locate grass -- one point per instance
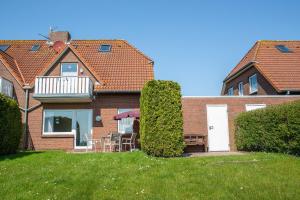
(60, 175)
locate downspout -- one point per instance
(26, 110)
(25, 143)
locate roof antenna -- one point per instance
(52, 29)
(44, 36)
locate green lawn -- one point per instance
(59, 175)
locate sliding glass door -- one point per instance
(83, 128)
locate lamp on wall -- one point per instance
(98, 118)
(81, 70)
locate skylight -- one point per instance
(35, 47)
(105, 48)
(4, 47)
(283, 49)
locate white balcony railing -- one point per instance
(63, 86)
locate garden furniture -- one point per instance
(129, 141)
(112, 141)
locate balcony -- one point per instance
(63, 89)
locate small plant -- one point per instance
(274, 129)
(10, 125)
(161, 123)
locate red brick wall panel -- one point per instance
(195, 116)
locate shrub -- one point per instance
(10, 125)
(161, 123)
(273, 129)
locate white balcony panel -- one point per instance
(59, 89)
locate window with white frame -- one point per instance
(69, 69)
(253, 84)
(250, 107)
(241, 89)
(6, 87)
(58, 122)
(125, 125)
(230, 91)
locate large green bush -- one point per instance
(10, 125)
(161, 123)
(273, 129)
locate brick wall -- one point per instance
(105, 105)
(264, 87)
(18, 90)
(195, 115)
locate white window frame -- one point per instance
(230, 91)
(61, 72)
(259, 106)
(241, 88)
(119, 121)
(11, 87)
(251, 89)
(72, 132)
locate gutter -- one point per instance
(244, 68)
(118, 91)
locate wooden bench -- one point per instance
(195, 139)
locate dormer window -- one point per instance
(69, 69)
(105, 48)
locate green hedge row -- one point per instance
(273, 129)
(10, 125)
(161, 123)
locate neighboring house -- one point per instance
(69, 89)
(269, 68)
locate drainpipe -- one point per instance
(25, 143)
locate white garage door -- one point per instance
(218, 133)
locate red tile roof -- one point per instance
(125, 68)
(282, 70)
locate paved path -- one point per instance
(200, 154)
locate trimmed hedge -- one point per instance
(273, 129)
(10, 125)
(161, 123)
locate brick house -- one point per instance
(268, 74)
(69, 88)
(269, 68)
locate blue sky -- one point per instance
(195, 43)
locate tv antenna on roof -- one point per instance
(44, 36)
(52, 29)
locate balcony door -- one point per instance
(83, 128)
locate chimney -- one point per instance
(63, 36)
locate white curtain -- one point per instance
(6, 87)
(126, 124)
(49, 116)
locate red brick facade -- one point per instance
(195, 115)
(264, 87)
(105, 105)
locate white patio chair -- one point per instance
(129, 141)
(111, 141)
(90, 140)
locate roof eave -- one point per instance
(117, 91)
(244, 68)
